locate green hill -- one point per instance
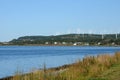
(69, 39)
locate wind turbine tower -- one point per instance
(83, 35)
(102, 36)
(116, 36)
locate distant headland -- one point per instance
(68, 40)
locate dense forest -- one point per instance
(69, 39)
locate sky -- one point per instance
(53, 17)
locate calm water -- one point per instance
(26, 58)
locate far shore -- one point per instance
(62, 45)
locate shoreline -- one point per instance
(66, 45)
(105, 59)
(42, 69)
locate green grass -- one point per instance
(113, 73)
(101, 67)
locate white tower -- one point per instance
(83, 35)
(102, 36)
(116, 36)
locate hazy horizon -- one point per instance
(51, 17)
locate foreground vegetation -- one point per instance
(101, 67)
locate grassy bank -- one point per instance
(101, 67)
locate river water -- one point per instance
(27, 58)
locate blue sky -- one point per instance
(50, 17)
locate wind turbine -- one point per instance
(83, 35)
(90, 32)
(102, 36)
(116, 36)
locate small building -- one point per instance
(113, 43)
(75, 44)
(63, 43)
(55, 43)
(99, 43)
(46, 43)
(86, 44)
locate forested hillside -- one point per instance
(69, 39)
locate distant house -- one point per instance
(86, 44)
(113, 43)
(63, 43)
(75, 44)
(55, 43)
(99, 43)
(46, 43)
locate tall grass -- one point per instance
(87, 69)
